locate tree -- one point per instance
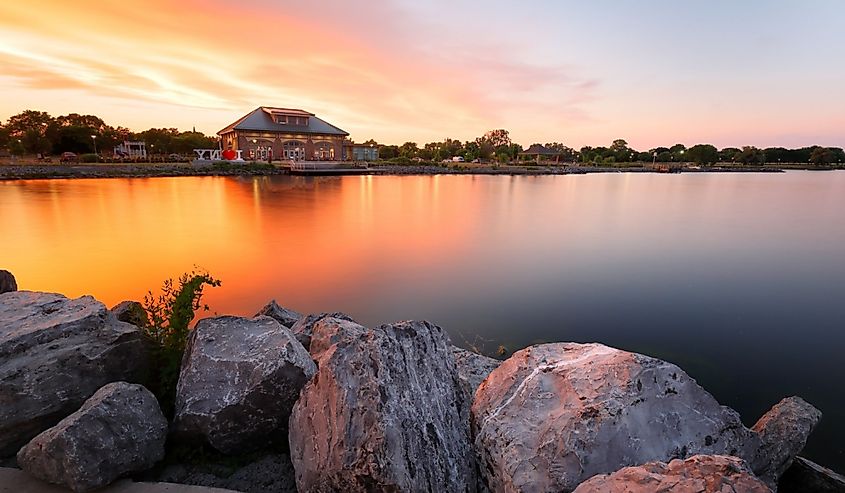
(566, 153)
(388, 152)
(408, 150)
(29, 130)
(729, 154)
(703, 154)
(498, 138)
(751, 155)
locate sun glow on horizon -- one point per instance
(394, 71)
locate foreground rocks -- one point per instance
(698, 474)
(131, 312)
(281, 314)
(473, 368)
(783, 432)
(805, 476)
(304, 327)
(54, 354)
(7, 282)
(120, 429)
(554, 415)
(239, 380)
(383, 413)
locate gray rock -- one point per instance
(330, 332)
(805, 476)
(272, 473)
(783, 432)
(239, 380)
(283, 315)
(120, 429)
(698, 474)
(131, 312)
(473, 368)
(554, 415)
(54, 354)
(385, 412)
(7, 282)
(304, 327)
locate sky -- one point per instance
(654, 72)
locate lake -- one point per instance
(738, 278)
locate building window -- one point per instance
(324, 151)
(294, 149)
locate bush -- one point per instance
(89, 158)
(169, 314)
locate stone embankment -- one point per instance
(321, 403)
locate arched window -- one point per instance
(324, 151)
(294, 149)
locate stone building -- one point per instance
(283, 133)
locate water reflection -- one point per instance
(737, 278)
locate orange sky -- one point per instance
(392, 70)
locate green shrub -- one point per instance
(169, 314)
(89, 158)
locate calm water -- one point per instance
(738, 278)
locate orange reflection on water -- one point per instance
(287, 238)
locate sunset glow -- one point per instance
(395, 71)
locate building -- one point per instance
(538, 152)
(131, 149)
(281, 133)
(359, 152)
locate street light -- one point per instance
(94, 139)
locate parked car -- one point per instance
(69, 157)
(175, 158)
(458, 159)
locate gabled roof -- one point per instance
(261, 119)
(539, 150)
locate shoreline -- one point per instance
(14, 172)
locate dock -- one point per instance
(312, 168)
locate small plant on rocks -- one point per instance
(170, 314)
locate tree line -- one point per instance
(496, 145)
(33, 132)
(36, 132)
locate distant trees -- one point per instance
(703, 154)
(751, 155)
(32, 132)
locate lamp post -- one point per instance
(152, 150)
(94, 140)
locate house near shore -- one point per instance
(269, 133)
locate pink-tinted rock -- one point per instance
(554, 415)
(698, 474)
(784, 431)
(385, 412)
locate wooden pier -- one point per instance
(311, 168)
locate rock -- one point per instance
(330, 331)
(272, 473)
(239, 380)
(554, 415)
(805, 476)
(698, 474)
(783, 432)
(281, 314)
(473, 368)
(384, 412)
(120, 429)
(304, 327)
(131, 312)
(7, 282)
(54, 354)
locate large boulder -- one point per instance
(239, 380)
(698, 474)
(783, 432)
(473, 368)
(282, 315)
(385, 412)
(54, 354)
(7, 282)
(120, 429)
(304, 327)
(805, 476)
(554, 415)
(131, 312)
